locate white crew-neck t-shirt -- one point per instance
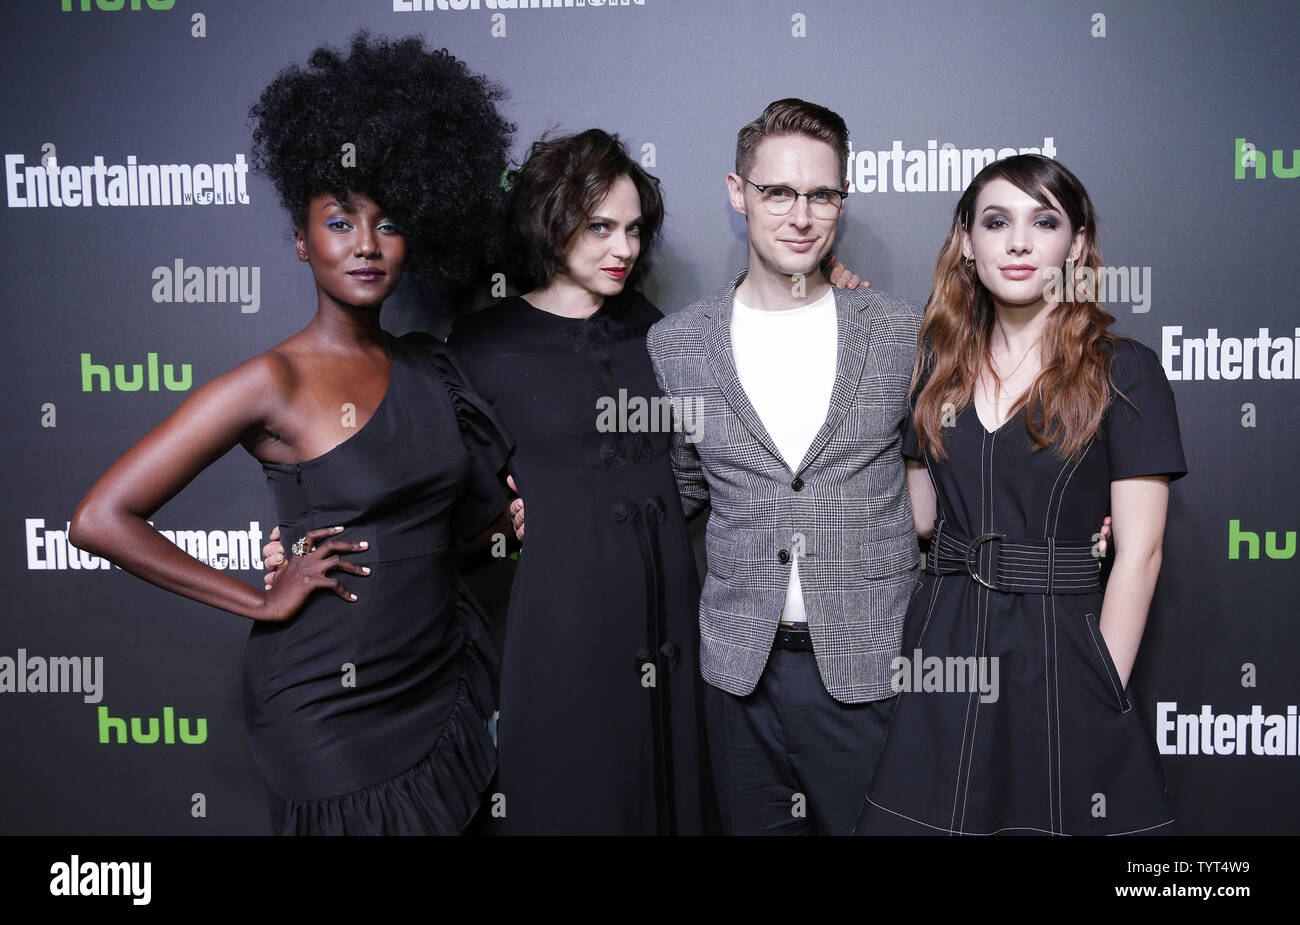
(786, 363)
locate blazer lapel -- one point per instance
(722, 360)
(852, 343)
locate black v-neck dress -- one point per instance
(1057, 746)
(370, 717)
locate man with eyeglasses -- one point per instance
(801, 393)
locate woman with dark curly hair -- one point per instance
(366, 710)
(601, 729)
(1030, 422)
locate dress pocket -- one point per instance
(1107, 663)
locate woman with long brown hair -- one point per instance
(1030, 422)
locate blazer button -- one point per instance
(797, 484)
(783, 557)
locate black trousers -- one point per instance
(790, 759)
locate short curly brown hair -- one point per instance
(555, 191)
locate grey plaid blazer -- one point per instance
(845, 511)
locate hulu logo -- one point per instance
(1250, 157)
(143, 376)
(113, 6)
(167, 732)
(1238, 536)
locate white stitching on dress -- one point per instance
(982, 638)
(1119, 695)
(1060, 504)
(1008, 828)
(961, 756)
(1047, 706)
(1056, 683)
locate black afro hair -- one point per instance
(431, 146)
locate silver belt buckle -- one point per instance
(973, 546)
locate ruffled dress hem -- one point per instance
(441, 793)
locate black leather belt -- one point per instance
(1014, 566)
(793, 639)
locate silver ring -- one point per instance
(299, 546)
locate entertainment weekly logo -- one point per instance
(225, 550)
(1223, 734)
(936, 168)
(50, 184)
(456, 6)
(1262, 356)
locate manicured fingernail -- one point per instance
(365, 569)
(337, 529)
(364, 544)
(352, 596)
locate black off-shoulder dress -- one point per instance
(371, 717)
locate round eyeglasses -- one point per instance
(779, 200)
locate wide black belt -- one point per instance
(1014, 566)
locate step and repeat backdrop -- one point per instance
(120, 703)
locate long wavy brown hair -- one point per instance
(1067, 401)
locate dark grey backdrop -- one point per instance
(1147, 115)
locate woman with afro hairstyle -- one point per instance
(366, 706)
(1030, 421)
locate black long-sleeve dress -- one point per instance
(601, 728)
